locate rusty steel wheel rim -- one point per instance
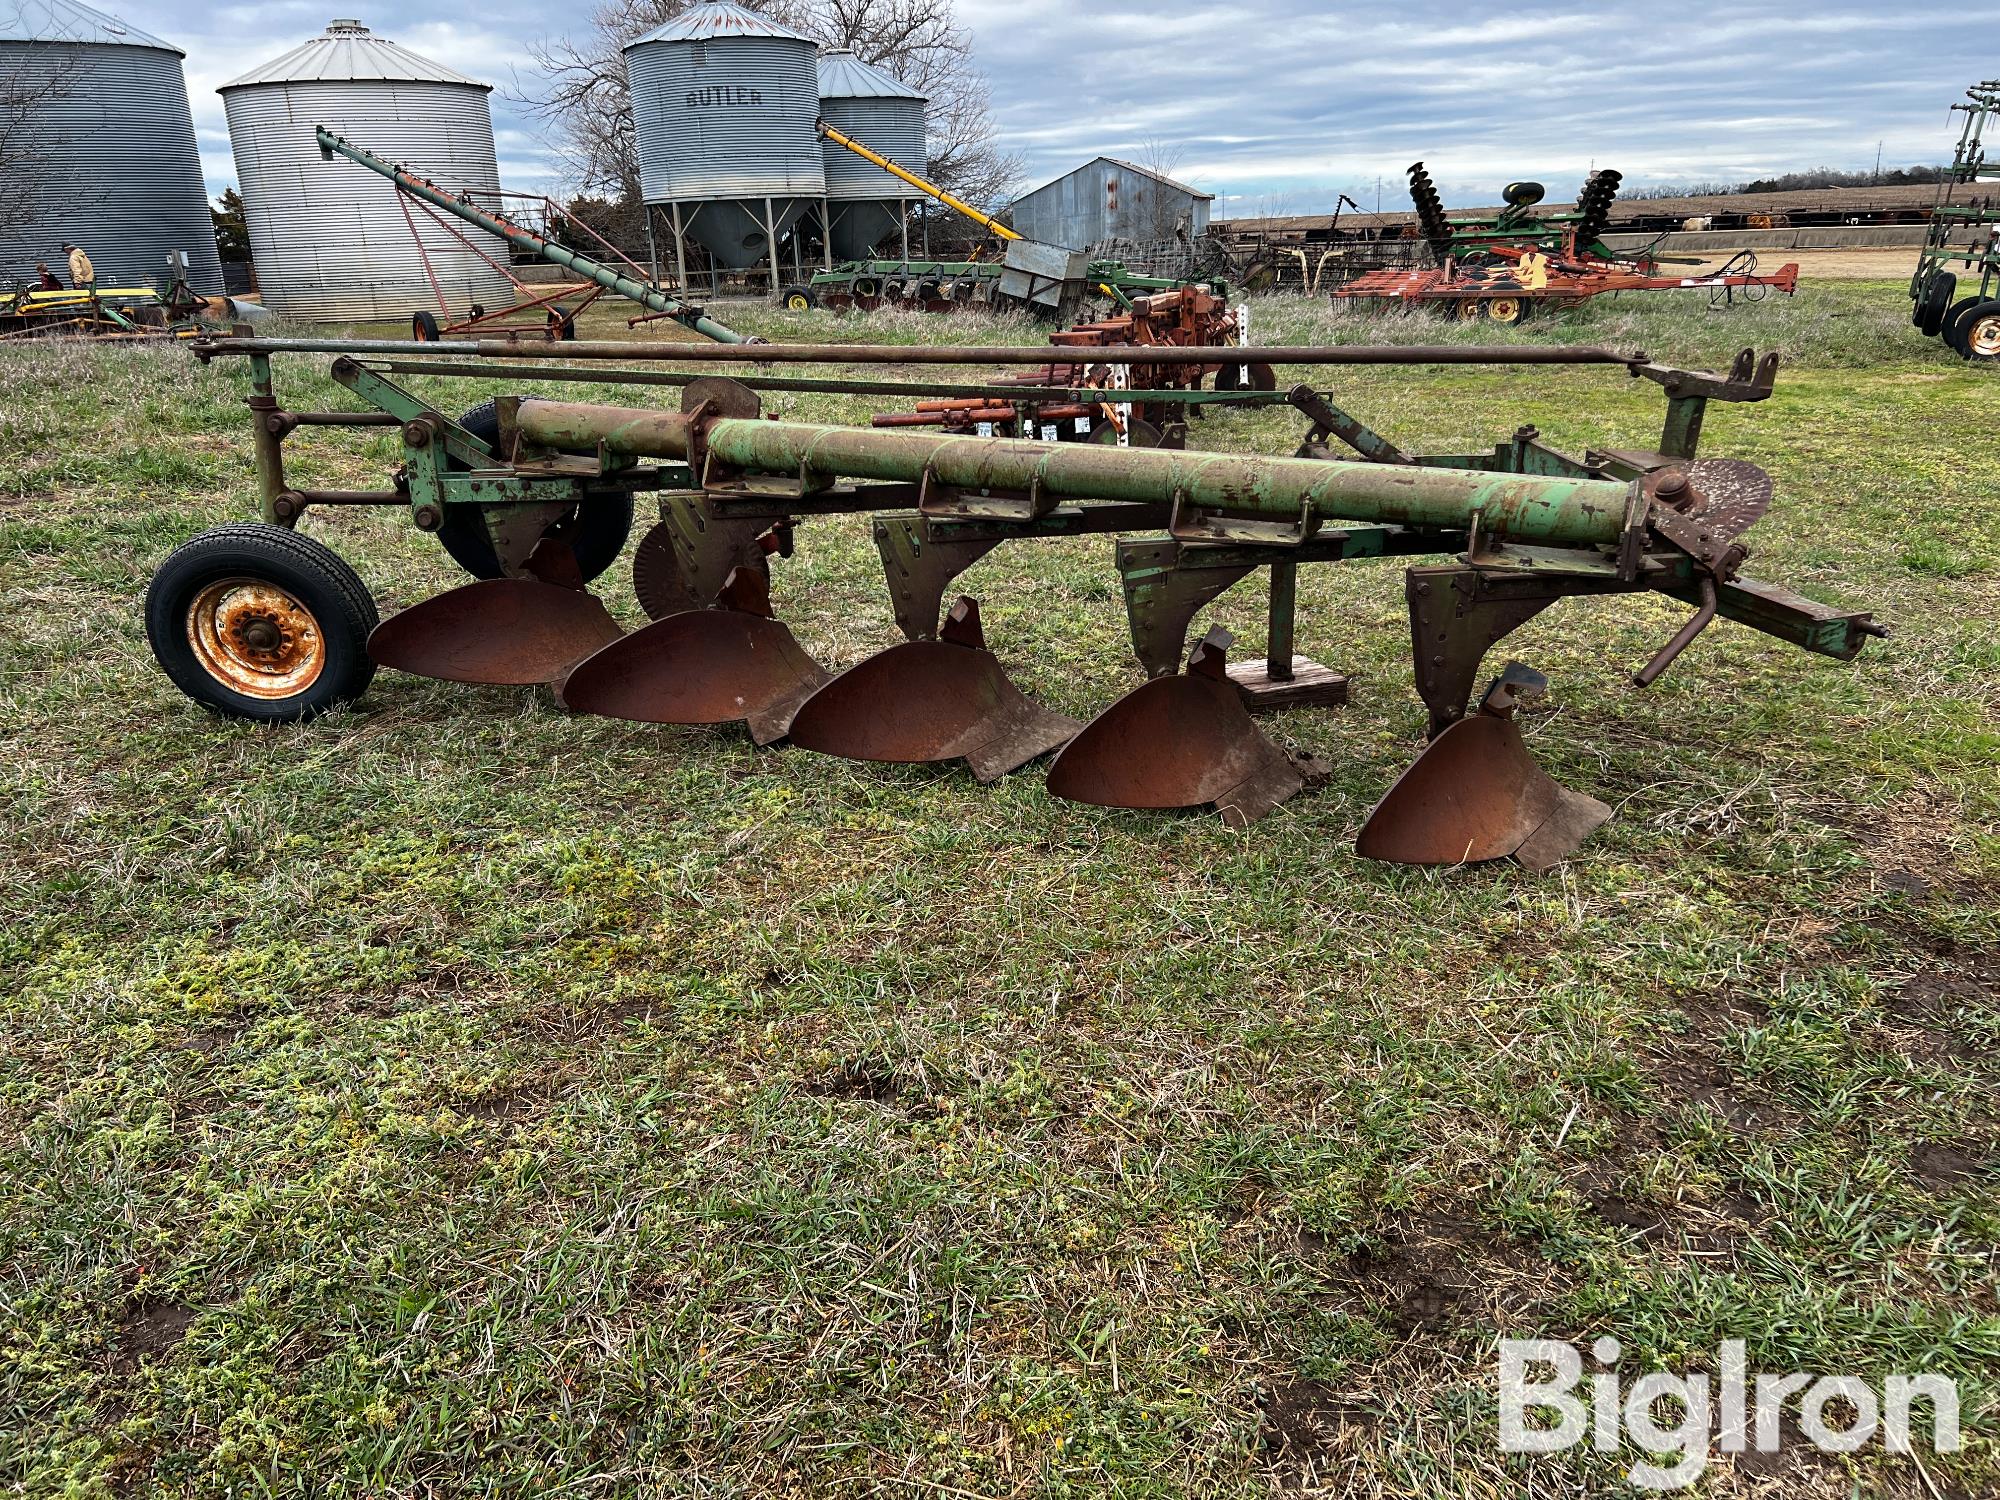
(255, 638)
(1982, 339)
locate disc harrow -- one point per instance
(1521, 525)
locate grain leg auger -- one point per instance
(262, 622)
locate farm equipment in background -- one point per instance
(1502, 266)
(534, 497)
(546, 315)
(1964, 232)
(1047, 279)
(127, 312)
(1185, 318)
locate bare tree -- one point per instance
(919, 42)
(29, 148)
(1160, 213)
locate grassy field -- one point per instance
(452, 1096)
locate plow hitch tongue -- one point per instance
(1179, 741)
(946, 699)
(498, 631)
(704, 666)
(1476, 794)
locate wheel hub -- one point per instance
(255, 638)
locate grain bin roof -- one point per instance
(713, 19)
(348, 51)
(842, 75)
(67, 21)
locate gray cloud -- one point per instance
(1279, 105)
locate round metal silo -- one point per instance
(330, 239)
(723, 104)
(865, 204)
(103, 154)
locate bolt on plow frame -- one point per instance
(535, 498)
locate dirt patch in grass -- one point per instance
(1304, 1426)
(149, 1332)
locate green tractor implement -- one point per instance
(262, 622)
(1962, 307)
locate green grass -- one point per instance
(454, 1096)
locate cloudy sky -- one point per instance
(1279, 105)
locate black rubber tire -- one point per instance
(424, 328)
(309, 571)
(598, 540)
(1936, 301)
(797, 298)
(1982, 316)
(1952, 314)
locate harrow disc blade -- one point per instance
(1477, 794)
(928, 701)
(1178, 741)
(705, 666)
(500, 631)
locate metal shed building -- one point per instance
(1110, 199)
(104, 152)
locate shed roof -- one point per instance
(347, 51)
(68, 21)
(716, 18)
(1129, 166)
(842, 75)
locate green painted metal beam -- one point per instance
(1528, 508)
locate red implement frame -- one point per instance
(556, 317)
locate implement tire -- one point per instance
(258, 622)
(1976, 334)
(797, 299)
(597, 542)
(1936, 300)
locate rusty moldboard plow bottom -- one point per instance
(553, 484)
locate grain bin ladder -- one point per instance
(262, 622)
(648, 294)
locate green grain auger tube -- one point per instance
(280, 628)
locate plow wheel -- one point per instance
(261, 623)
(797, 299)
(704, 666)
(925, 701)
(597, 531)
(1466, 310)
(1179, 741)
(1476, 794)
(1976, 334)
(1506, 311)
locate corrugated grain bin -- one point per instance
(723, 104)
(886, 116)
(330, 238)
(104, 153)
